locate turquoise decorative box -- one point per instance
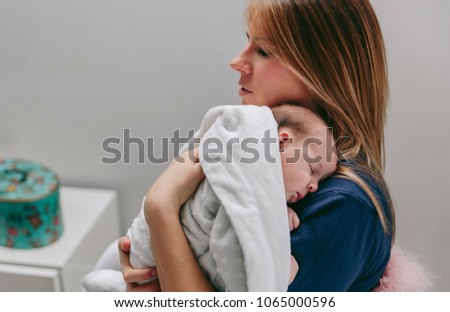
(30, 214)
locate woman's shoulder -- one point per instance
(339, 191)
(340, 232)
(342, 186)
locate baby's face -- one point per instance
(304, 165)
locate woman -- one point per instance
(326, 55)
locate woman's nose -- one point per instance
(241, 64)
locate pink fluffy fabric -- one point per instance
(404, 273)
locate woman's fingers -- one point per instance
(124, 251)
(149, 287)
(124, 244)
(130, 274)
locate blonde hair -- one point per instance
(336, 49)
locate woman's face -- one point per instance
(264, 81)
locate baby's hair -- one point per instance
(299, 119)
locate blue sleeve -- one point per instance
(339, 246)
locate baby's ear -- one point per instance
(283, 138)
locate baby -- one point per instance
(305, 161)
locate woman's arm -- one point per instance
(178, 269)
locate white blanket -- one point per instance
(236, 221)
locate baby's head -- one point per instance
(306, 156)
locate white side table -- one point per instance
(91, 223)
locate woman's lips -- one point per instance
(243, 91)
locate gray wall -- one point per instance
(73, 73)
(418, 149)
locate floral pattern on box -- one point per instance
(30, 214)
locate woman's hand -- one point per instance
(133, 276)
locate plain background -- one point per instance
(73, 73)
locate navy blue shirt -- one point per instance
(340, 244)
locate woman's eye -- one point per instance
(261, 52)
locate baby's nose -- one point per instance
(312, 187)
